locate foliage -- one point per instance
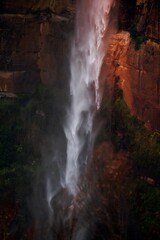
(128, 133)
(15, 167)
(137, 37)
(24, 121)
(145, 205)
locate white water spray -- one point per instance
(86, 61)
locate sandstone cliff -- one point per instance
(134, 56)
(34, 43)
(139, 73)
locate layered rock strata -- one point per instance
(34, 43)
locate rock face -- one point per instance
(24, 6)
(141, 16)
(137, 67)
(127, 11)
(34, 43)
(139, 74)
(147, 18)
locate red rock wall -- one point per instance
(139, 72)
(34, 45)
(148, 18)
(19, 6)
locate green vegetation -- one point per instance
(129, 134)
(140, 37)
(145, 208)
(16, 166)
(28, 119)
(137, 37)
(24, 121)
(27, 122)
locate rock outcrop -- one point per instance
(139, 74)
(18, 6)
(134, 56)
(140, 17)
(34, 43)
(147, 18)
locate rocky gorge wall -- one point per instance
(134, 57)
(18, 6)
(34, 43)
(139, 76)
(147, 18)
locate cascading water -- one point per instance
(66, 166)
(86, 61)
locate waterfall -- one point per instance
(66, 158)
(87, 54)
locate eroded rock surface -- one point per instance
(34, 43)
(139, 74)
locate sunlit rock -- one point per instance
(139, 75)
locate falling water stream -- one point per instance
(71, 161)
(86, 61)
